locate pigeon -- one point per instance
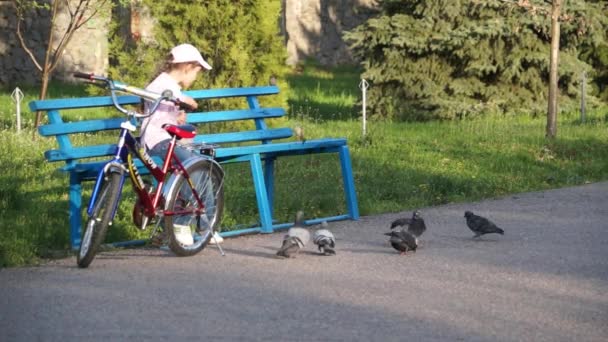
(325, 240)
(481, 225)
(403, 241)
(296, 238)
(415, 225)
(299, 133)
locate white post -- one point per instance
(17, 96)
(363, 86)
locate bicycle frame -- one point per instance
(127, 147)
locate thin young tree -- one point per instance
(551, 130)
(79, 13)
(552, 106)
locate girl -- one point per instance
(180, 71)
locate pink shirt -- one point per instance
(152, 131)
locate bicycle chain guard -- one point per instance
(139, 209)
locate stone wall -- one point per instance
(312, 28)
(87, 51)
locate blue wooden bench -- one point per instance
(259, 147)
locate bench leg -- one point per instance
(349, 183)
(260, 192)
(75, 208)
(269, 180)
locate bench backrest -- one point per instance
(252, 111)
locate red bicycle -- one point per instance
(188, 198)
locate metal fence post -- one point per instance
(363, 86)
(17, 96)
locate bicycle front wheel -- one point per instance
(189, 225)
(97, 224)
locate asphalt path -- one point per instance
(546, 279)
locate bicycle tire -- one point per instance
(207, 178)
(97, 224)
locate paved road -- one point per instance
(545, 280)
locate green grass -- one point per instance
(397, 166)
(318, 93)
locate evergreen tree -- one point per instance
(429, 59)
(595, 52)
(239, 38)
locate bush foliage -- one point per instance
(429, 59)
(239, 38)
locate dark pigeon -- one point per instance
(415, 225)
(325, 240)
(296, 238)
(403, 241)
(481, 225)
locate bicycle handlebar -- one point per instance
(114, 86)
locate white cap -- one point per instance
(187, 53)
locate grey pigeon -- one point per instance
(296, 238)
(403, 241)
(299, 133)
(325, 240)
(415, 225)
(481, 225)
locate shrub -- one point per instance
(239, 38)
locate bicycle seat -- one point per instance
(180, 131)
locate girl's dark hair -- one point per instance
(165, 65)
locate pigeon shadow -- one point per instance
(251, 253)
(369, 250)
(271, 255)
(456, 241)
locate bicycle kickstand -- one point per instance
(217, 243)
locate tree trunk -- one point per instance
(46, 67)
(43, 89)
(551, 131)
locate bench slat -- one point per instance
(85, 102)
(80, 126)
(80, 152)
(232, 115)
(285, 147)
(105, 101)
(234, 137)
(232, 92)
(89, 170)
(110, 149)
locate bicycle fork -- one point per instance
(111, 167)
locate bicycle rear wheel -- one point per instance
(188, 232)
(101, 217)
